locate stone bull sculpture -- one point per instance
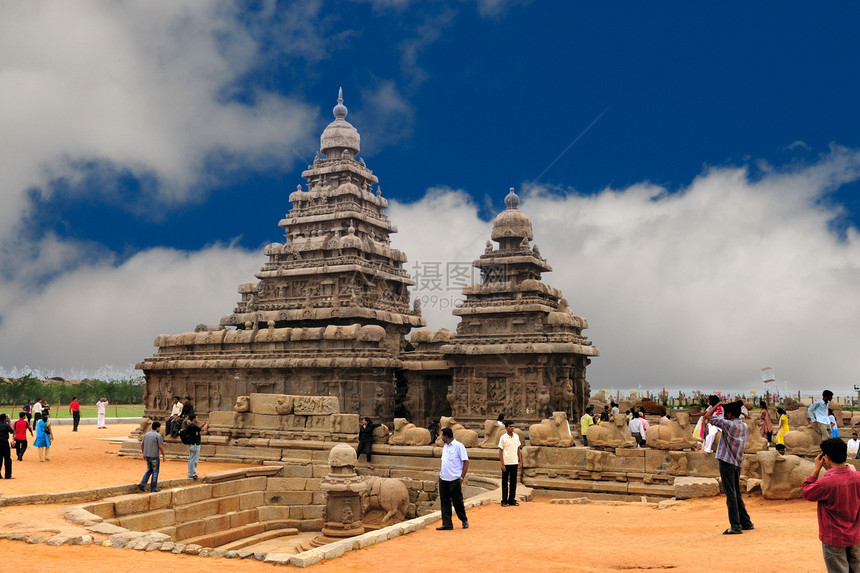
(554, 431)
(408, 434)
(387, 494)
(783, 476)
(493, 432)
(670, 434)
(468, 438)
(612, 434)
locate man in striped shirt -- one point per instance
(730, 456)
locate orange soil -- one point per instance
(535, 536)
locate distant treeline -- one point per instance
(28, 387)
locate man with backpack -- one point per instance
(190, 435)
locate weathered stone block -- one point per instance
(313, 511)
(269, 403)
(193, 494)
(228, 504)
(316, 405)
(215, 523)
(299, 470)
(657, 461)
(693, 487)
(269, 513)
(318, 424)
(288, 498)
(293, 422)
(129, 504)
(344, 423)
(248, 452)
(265, 421)
(221, 419)
(105, 510)
(236, 487)
(287, 484)
(541, 456)
(160, 500)
(149, 520)
(190, 530)
(240, 518)
(251, 500)
(195, 511)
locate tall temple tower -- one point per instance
(329, 310)
(336, 265)
(518, 348)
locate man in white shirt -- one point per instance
(853, 446)
(455, 464)
(171, 427)
(511, 458)
(37, 411)
(636, 429)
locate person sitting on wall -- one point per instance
(172, 422)
(365, 439)
(185, 415)
(433, 428)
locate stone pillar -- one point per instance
(342, 488)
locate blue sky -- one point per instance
(150, 148)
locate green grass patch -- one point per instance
(87, 411)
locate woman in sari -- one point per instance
(766, 426)
(44, 437)
(783, 426)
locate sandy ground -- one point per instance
(535, 536)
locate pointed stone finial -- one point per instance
(512, 201)
(340, 110)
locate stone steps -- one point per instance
(259, 538)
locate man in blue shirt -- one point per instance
(819, 415)
(455, 464)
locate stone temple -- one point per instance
(330, 315)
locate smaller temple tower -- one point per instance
(518, 348)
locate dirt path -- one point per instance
(536, 536)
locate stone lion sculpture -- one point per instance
(613, 434)
(387, 494)
(408, 434)
(145, 426)
(284, 405)
(241, 410)
(243, 404)
(493, 432)
(554, 431)
(783, 476)
(671, 434)
(468, 438)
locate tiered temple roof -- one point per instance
(336, 265)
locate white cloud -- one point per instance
(93, 88)
(385, 118)
(101, 313)
(697, 289)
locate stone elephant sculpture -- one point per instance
(554, 431)
(612, 434)
(408, 434)
(468, 438)
(387, 494)
(493, 432)
(783, 476)
(671, 434)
